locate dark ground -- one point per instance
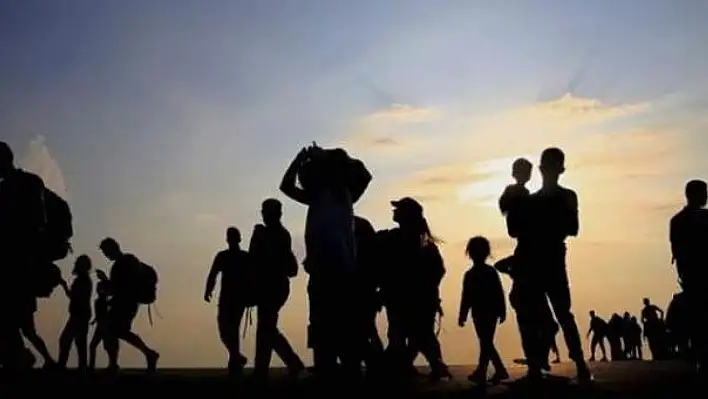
(612, 380)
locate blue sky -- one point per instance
(166, 121)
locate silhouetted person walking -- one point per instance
(483, 296)
(537, 326)
(688, 236)
(330, 184)
(634, 339)
(23, 225)
(76, 329)
(615, 329)
(100, 321)
(654, 330)
(275, 264)
(555, 217)
(598, 330)
(412, 287)
(232, 265)
(124, 280)
(368, 260)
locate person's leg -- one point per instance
(80, 340)
(482, 328)
(266, 329)
(522, 298)
(93, 347)
(558, 291)
(29, 330)
(425, 340)
(125, 327)
(65, 340)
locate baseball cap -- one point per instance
(408, 204)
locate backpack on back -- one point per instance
(45, 278)
(145, 284)
(60, 227)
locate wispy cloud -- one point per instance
(38, 159)
(402, 113)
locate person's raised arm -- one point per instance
(289, 185)
(211, 278)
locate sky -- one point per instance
(165, 122)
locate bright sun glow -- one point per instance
(486, 192)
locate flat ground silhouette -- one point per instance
(617, 379)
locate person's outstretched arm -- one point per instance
(211, 278)
(289, 185)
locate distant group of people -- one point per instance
(354, 272)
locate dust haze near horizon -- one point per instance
(166, 122)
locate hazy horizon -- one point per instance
(165, 122)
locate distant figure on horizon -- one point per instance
(688, 236)
(598, 330)
(635, 339)
(483, 297)
(76, 329)
(330, 183)
(126, 280)
(615, 329)
(100, 320)
(654, 329)
(232, 266)
(554, 218)
(271, 254)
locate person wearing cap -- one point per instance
(22, 223)
(410, 284)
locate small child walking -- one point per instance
(76, 329)
(100, 321)
(483, 298)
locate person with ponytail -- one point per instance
(411, 288)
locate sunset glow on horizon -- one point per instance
(164, 123)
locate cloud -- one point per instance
(403, 113)
(40, 161)
(391, 130)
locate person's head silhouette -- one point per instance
(646, 301)
(407, 211)
(521, 170)
(552, 164)
(82, 266)
(7, 159)
(696, 193)
(478, 250)
(110, 248)
(271, 211)
(233, 237)
(592, 314)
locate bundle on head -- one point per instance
(333, 169)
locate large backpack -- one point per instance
(45, 278)
(145, 284)
(60, 227)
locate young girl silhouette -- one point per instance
(76, 329)
(483, 297)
